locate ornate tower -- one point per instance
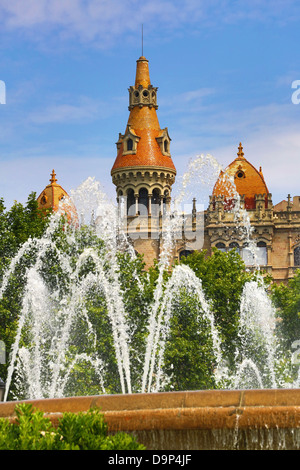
(143, 171)
(51, 197)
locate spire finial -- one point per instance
(142, 40)
(53, 177)
(142, 73)
(240, 152)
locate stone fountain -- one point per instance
(267, 416)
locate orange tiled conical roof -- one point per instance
(52, 194)
(51, 197)
(248, 181)
(143, 122)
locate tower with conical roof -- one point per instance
(143, 171)
(53, 195)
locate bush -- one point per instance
(82, 431)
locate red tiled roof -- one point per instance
(250, 183)
(144, 122)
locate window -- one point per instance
(297, 256)
(129, 145)
(44, 199)
(165, 198)
(166, 147)
(221, 246)
(143, 201)
(234, 246)
(185, 253)
(130, 202)
(247, 255)
(155, 202)
(256, 255)
(261, 254)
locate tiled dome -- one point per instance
(248, 181)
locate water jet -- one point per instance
(57, 342)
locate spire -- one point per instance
(142, 76)
(144, 143)
(142, 95)
(143, 169)
(53, 179)
(240, 153)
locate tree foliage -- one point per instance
(223, 277)
(17, 225)
(75, 431)
(286, 298)
(188, 357)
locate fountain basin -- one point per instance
(266, 419)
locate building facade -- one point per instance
(143, 174)
(275, 229)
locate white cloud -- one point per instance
(85, 109)
(102, 21)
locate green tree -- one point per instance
(223, 277)
(17, 225)
(286, 298)
(189, 359)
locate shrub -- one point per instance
(82, 431)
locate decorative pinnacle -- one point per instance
(53, 179)
(240, 152)
(142, 76)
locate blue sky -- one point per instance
(224, 71)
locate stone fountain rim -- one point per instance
(203, 409)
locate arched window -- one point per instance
(247, 255)
(129, 145)
(130, 202)
(261, 254)
(297, 256)
(234, 246)
(166, 195)
(143, 201)
(166, 146)
(44, 199)
(221, 246)
(121, 204)
(155, 202)
(185, 253)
